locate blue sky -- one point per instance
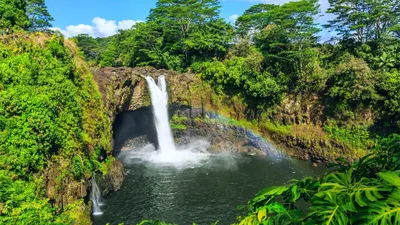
(101, 18)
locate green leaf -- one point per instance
(390, 177)
(249, 220)
(296, 193)
(262, 214)
(328, 209)
(382, 213)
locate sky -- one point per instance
(103, 18)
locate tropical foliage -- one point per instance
(50, 114)
(366, 192)
(274, 51)
(24, 14)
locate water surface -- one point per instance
(203, 194)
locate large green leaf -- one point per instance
(390, 177)
(362, 192)
(262, 214)
(304, 188)
(328, 209)
(267, 195)
(383, 213)
(249, 220)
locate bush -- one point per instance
(50, 113)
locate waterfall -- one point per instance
(95, 197)
(182, 156)
(159, 101)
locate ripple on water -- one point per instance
(201, 193)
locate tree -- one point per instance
(389, 87)
(13, 14)
(298, 21)
(178, 19)
(244, 77)
(255, 18)
(285, 34)
(182, 15)
(110, 54)
(293, 22)
(351, 86)
(363, 20)
(88, 45)
(38, 15)
(148, 43)
(209, 40)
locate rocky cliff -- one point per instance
(123, 89)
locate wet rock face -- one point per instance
(67, 192)
(113, 180)
(222, 138)
(124, 89)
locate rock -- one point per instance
(223, 138)
(113, 180)
(124, 89)
(69, 190)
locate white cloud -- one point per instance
(100, 27)
(103, 27)
(233, 18)
(126, 24)
(79, 29)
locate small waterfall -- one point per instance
(159, 101)
(95, 197)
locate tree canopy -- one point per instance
(38, 15)
(13, 14)
(271, 63)
(364, 20)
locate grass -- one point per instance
(178, 126)
(356, 136)
(276, 128)
(178, 122)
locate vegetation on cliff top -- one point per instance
(346, 86)
(50, 114)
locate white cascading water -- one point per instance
(95, 197)
(159, 101)
(190, 154)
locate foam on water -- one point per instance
(190, 155)
(167, 153)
